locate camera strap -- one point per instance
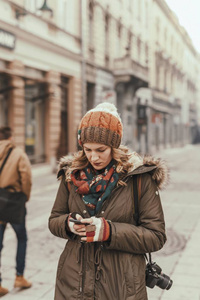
(148, 258)
(137, 196)
(136, 186)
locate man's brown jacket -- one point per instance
(17, 170)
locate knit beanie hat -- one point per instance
(102, 125)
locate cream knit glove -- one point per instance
(98, 231)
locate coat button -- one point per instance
(156, 192)
(103, 212)
(84, 211)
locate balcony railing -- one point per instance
(127, 66)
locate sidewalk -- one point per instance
(180, 257)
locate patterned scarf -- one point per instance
(95, 186)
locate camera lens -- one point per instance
(169, 284)
(164, 282)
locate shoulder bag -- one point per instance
(12, 204)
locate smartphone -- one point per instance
(78, 222)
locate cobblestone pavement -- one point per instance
(179, 258)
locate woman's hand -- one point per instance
(77, 228)
(97, 231)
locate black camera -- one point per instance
(154, 276)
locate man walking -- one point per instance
(17, 174)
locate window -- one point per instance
(165, 38)
(107, 32)
(90, 95)
(157, 75)
(130, 5)
(35, 120)
(139, 48)
(4, 96)
(118, 38)
(107, 37)
(146, 54)
(157, 29)
(139, 9)
(146, 14)
(91, 23)
(67, 15)
(63, 143)
(33, 5)
(172, 44)
(129, 43)
(30, 5)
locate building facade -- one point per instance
(138, 56)
(59, 58)
(116, 50)
(40, 76)
(173, 80)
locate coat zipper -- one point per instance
(83, 271)
(83, 252)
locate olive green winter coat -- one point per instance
(114, 270)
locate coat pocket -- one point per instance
(129, 275)
(138, 268)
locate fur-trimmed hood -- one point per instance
(161, 173)
(64, 163)
(156, 167)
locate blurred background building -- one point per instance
(59, 58)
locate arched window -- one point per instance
(118, 38)
(139, 48)
(91, 23)
(107, 37)
(4, 96)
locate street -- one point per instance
(179, 258)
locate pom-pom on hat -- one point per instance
(102, 125)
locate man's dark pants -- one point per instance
(20, 230)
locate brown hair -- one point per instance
(5, 133)
(121, 155)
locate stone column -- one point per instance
(16, 103)
(74, 112)
(52, 116)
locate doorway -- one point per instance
(63, 143)
(90, 95)
(35, 121)
(4, 97)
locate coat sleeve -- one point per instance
(24, 168)
(60, 212)
(149, 236)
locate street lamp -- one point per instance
(46, 8)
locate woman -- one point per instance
(104, 259)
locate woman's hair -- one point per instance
(121, 155)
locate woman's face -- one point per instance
(99, 155)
